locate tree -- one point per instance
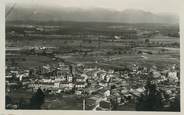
(8, 100)
(85, 94)
(37, 99)
(151, 100)
(147, 40)
(175, 106)
(21, 103)
(113, 101)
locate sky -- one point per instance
(156, 6)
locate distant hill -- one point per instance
(88, 15)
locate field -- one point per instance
(94, 49)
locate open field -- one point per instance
(94, 49)
(32, 61)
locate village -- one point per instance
(98, 88)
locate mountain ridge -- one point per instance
(89, 15)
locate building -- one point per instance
(66, 85)
(43, 85)
(80, 85)
(172, 76)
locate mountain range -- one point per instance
(21, 13)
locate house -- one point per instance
(124, 91)
(57, 84)
(8, 75)
(26, 82)
(134, 68)
(163, 78)
(84, 76)
(78, 92)
(80, 68)
(156, 74)
(69, 78)
(103, 83)
(14, 73)
(64, 75)
(45, 69)
(101, 75)
(107, 93)
(80, 85)
(64, 68)
(172, 76)
(61, 74)
(23, 76)
(46, 80)
(43, 85)
(81, 78)
(65, 84)
(12, 84)
(108, 77)
(59, 79)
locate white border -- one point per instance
(67, 112)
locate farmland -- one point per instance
(93, 48)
